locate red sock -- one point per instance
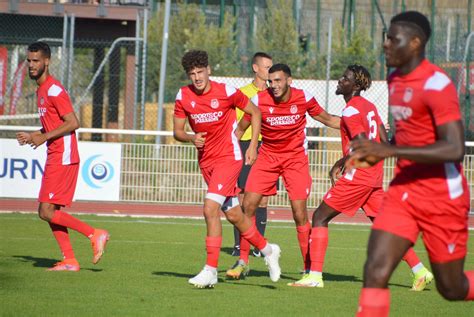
(470, 278)
(245, 244)
(411, 258)
(303, 239)
(68, 221)
(317, 249)
(254, 237)
(374, 302)
(213, 248)
(62, 237)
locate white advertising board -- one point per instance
(21, 169)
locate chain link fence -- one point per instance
(105, 78)
(118, 88)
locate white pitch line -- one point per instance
(224, 223)
(187, 243)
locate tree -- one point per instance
(358, 50)
(189, 30)
(278, 36)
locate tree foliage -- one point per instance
(278, 36)
(356, 50)
(276, 33)
(189, 30)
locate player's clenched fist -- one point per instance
(199, 139)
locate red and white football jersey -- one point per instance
(284, 124)
(361, 116)
(419, 102)
(53, 103)
(213, 113)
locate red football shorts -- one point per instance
(221, 178)
(268, 167)
(347, 197)
(58, 184)
(444, 223)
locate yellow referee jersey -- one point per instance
(249, 90)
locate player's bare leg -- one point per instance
(212, 217)
(46, 211)
(300, 212)
(452, 282)
(385, 250)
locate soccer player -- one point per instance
(62, 163)
(261, 63)
(210, 109)
(283, 151)
(429, 193)
(359, 188)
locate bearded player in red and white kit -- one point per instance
(283, 151)
(429, 193)
(359, 188)
(62, 163)
(210, 109)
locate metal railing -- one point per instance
(169, 173)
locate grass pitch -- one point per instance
(148, 262)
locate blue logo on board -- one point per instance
(97, 172)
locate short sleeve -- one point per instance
(59, 98)
(237, 98)
(178, 105)
(440, 95)
(352, 119)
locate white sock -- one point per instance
(242, 262)
(210, 268)
(317, 273)
(417, 268)
(267, 250)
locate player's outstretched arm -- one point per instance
(329, 120)
(70, 123)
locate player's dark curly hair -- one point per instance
(194, 59)
(361, 75)
(40, 47)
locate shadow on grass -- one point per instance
(44, 262)
(229, 251)
(220, 279)
(329, 277)
(174, 274)
(241, 282)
